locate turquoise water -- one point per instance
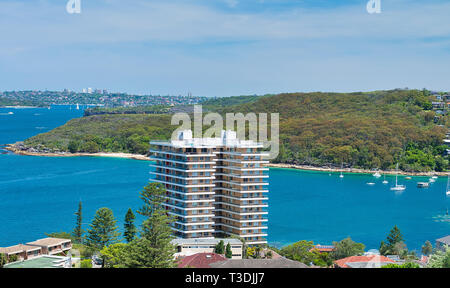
(41, 194)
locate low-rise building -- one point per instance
(187, 247)
(53, 246)
(22, 252)
(200, 260)
(43, 261)
(258, 263)
(442, 243)
(324, 248)
(369, 261)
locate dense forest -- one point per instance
(361, 130)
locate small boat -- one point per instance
(448, 186)
(10, 113)
(377, 174)
(435, 177)
(432, 180)
(397, 187)
(408, 178)
(370, 183)
(423, 184)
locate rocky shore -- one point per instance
(21, 149)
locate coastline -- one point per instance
(352, 170)
(15, 150)
(12, 148)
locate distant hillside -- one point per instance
(361, 130)
(11, 102)
(155, 109)
(366, 130)
(105, 133)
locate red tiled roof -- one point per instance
(200, 260)
(369, 258)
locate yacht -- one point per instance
(423, 184)
(397, 187)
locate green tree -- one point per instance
(114, 255)
(427, 248)
(440, 259)
(408, 265)
(154, 249)
(103, 231)
(220, 247)
(346, 248)
(129, 227)
(62, 235)
(3, 260)
(389, 247)
(299, 251)
(228, 252)
(87, 263)
(78, 231)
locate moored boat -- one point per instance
(423, 184)
(397, 187)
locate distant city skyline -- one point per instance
(224, 47)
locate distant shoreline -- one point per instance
(20, 107)
(12, 148)
(352, 170)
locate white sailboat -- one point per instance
(385, 181)
(78, 107)
(448, 186)
(397, 187)
(342, 175)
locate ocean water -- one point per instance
(40, 195)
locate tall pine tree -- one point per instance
(103, 230)
(393, 241)
(153, 249)
(78, 231)
(129, 227)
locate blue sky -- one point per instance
(224, 47)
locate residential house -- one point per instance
(187, 247)
(23, 252)
(324, 248)
(369, 261)
(200, 260)
(441, 243)
(53, 246)
(258, 263)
